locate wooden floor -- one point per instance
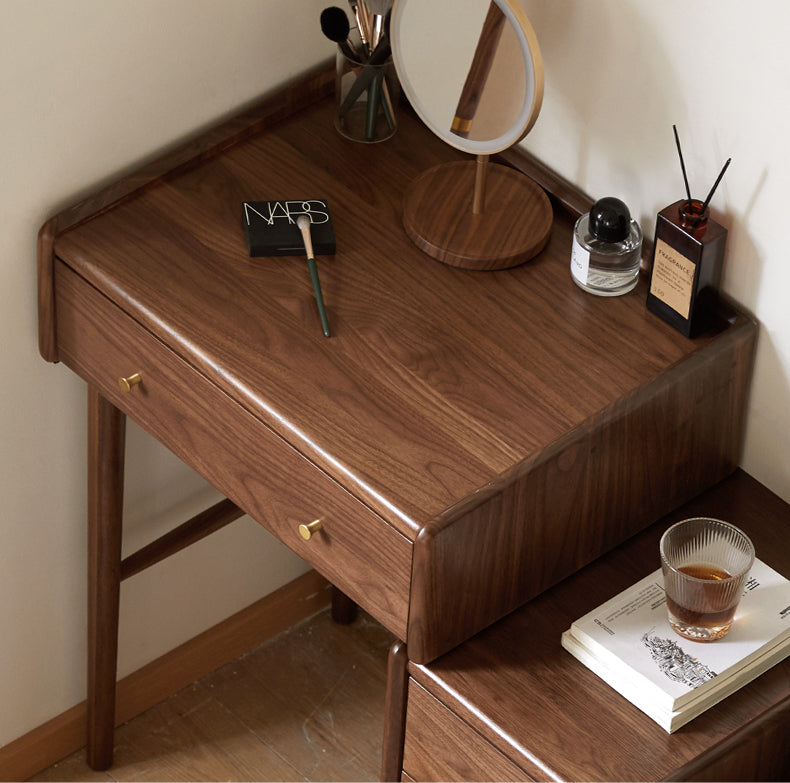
(307, 705)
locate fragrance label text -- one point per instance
(673, 278)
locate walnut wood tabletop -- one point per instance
(515, 705)
(455, 424)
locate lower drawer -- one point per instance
(438, 745)
(354, 549)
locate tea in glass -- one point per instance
(705, 563)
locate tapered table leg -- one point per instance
(344, 610)
(106, 441)
(395, 712)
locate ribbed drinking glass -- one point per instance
(706, 563)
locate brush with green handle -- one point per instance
(303, 222)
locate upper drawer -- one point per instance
(355, 549)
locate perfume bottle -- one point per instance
(607, 245)
(687, 263)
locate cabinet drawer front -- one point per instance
(354, 549)
(439, 746)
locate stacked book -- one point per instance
(629, 643)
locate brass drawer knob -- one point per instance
(127, 383)
(307, 531)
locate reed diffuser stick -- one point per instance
(715, 185)
(682, 164)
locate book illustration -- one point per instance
(675, 663)
(271, 230)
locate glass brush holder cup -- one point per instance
(366, 98)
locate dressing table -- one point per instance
(463, 441)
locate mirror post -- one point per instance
(479, 200)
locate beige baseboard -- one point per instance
(165, 676)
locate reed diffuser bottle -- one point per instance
(687, 262)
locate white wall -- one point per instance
(619, 74)
(89, 88)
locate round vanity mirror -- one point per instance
(473, 73)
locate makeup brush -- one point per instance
(361, 17)
(336, 27)
(377, 11)
(303, 222)
(378, 57)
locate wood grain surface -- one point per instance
(191, 153)
(481, 416)
(239, 456)
(437, 381)
(544, 711)
(440, 746)
(480, 216)
(106, 442)
(394, 712)
(606, 479)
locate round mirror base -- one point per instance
(513, 226)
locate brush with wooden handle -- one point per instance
(303, 222)
(378, 11)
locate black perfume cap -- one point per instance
(610, 220)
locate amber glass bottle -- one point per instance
(687, 262)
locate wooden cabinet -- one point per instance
(511, 704)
